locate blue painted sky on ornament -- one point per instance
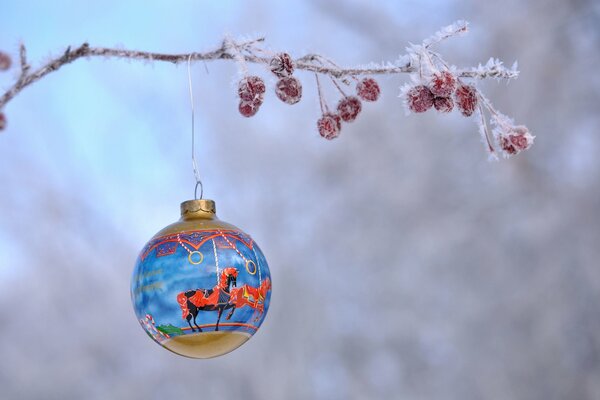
(167, 276)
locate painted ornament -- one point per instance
(201, 287)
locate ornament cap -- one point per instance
(203, 208)
(196, 215)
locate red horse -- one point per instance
(215, 299)
(250, 296)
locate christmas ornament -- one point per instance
(201, 287)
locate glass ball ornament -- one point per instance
(201, 287)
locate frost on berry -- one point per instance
(514, 139)
(249, 108)
(466, 99)
(329, 125)
(442, 84)
(2, 121)
(368, 89)
(443, 104)
(419, 99)
(251, 88)
(349, 107)
(282, 65)
(5, 61)
(289, 90)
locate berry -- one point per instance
(419, 99)
(251, 88)
(2, 121)
(282, 65)
(368, 89)
(442, 84)
(329, 125)
(349, 107)
(249, 108)
(507, 146)
(515, 140)
(466, 99)
(5, 61)
(443, 104)
(289, 90)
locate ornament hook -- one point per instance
(194, 164)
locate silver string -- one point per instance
(194, 165)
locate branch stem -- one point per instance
(242, 52)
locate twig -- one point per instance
(433, 81)
(485, 131)
(322, 102)
(229, 50)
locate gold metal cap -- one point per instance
(202, 208)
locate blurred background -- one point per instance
(405, 265)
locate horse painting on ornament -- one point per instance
(223, 296)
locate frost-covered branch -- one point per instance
(435, 82)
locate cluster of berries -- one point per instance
(348, 108)
(438, 94)
(5, 64)
(252, 88)
(444, 91)
(288, 88)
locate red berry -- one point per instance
(2, 121)
(282, 65)
(5, 61)
(368, 89)
(442, 84)
(466, 99)
(443, 104)
(419, 99)
(289, 90)
(251, 88)
(329, 125)
(519, 141)
(515, 139)
(507, 146)
(249, 108)
(349, 107)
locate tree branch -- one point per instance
(229, 50)
(434, 82)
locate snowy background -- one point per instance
(404, 264)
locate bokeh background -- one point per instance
(405, 265)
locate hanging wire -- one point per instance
(194, 165)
